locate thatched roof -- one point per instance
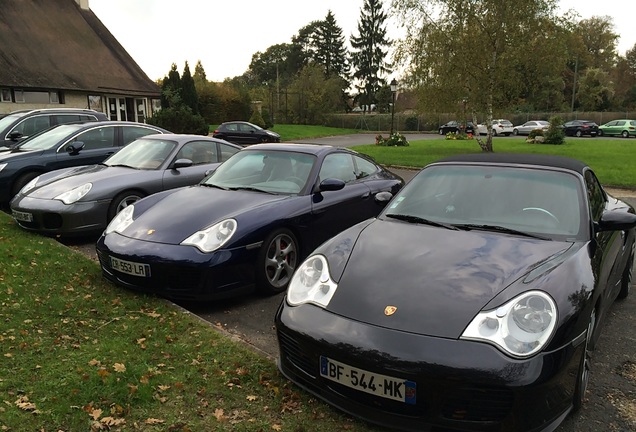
(55, 44)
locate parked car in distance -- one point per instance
(503, 268)
(64, 146)
(245, 133)
(247, 226)
(457, 127)
(82, 200)
(579, 128)
(498, 127)
(529, 126)
(19, 125)
(624, 128)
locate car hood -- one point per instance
(7, 154)
(56, 182)
(437, 279)
(181, 213)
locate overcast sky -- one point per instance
(225, 34)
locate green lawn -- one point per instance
(613, 161)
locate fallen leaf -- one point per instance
(153, 421)
(252, 398)
(119, 367)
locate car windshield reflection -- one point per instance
(279, 172)
(535, 202)
(142, 154)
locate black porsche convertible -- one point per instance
(472, 302)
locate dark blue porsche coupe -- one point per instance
(471, 303)
(247, 225)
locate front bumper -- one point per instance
(179, 272)
(461, 385)
(53, 217)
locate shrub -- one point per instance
(257, 119)
(555, 133)
(458, 136)
(180, 120)
(411, 123)
(395, 140)
(535, 133)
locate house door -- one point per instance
(117, 108)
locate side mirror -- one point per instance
(382, 198)
(182, 163)
(15, 136)
(616, 220)
(331, 184)
(75, 148)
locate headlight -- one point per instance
(210, 239)
(520, 327)
(30, 185)
(312, 283)
(123, 219)
(3, 166)
(75, 194)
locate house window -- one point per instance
(19, 95)
(6, 95)
(54, 98)
(95, 103)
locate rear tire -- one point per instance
(441, 132)
(22, 181)
(625, 134)
(123, 200)
(277, 261)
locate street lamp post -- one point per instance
(394, 86)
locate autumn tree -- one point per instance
(369, 51)
(473, 53)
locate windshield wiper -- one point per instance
(212, 185)
(251, 188)
(124, 166)
(502, 229)
(420, 220)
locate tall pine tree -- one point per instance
(171, 88)
(330, 48)
(369, 51)
(188, 91)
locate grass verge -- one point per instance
(612, 160)
(79, 354)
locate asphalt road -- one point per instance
(611, 404)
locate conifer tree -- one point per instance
(369, 51)
(188, 90)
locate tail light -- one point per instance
(216, 131)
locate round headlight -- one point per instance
(212, 238)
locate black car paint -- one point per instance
(313, 215)
(459, 382)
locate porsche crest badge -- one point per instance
(390, 310)
(150, 232)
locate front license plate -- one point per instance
(380, 385)
(22, 216)
(129, 267)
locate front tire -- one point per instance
(515, 132)
(22, 181)
(583, 376)
(579, 133)
(277, 261)
(626, 279)
(123, 200)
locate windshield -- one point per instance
(534, 201)
(143, 153)
(282, 172)
(48, 138)
(7, 121)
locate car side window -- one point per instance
(338, 166)
(595, 195)
(199, 152)
(32, 125)
(226, 151)
(364, 168)
(64, 118)
(97, 138)
(131, 133)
